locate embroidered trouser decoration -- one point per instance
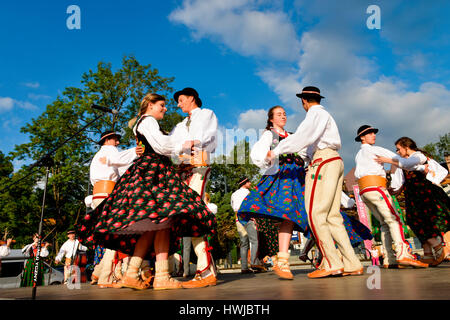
(390, 221)
(322, 200)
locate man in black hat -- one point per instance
(319, 135)
(197, 136)
(106, 167)
(247, 231)
(373, 191)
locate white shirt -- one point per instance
(259, 152)
(4, 250)
(69, 248)
(117, 162)
(367, 166)
(29, 247)
(317, 131)
(237, 197)
(203, 127)
(161, 143)
(212, 207)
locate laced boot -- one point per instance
(281, 266)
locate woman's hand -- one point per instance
(139, 150)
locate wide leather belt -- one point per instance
(198, 159)
(372, 181)
(103, 186)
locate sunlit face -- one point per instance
(402, 151)
(279, 118)
(112, 141)
(369, 138)
(157, 109)
(186, 103)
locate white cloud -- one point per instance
(33, 85)
(7, 103)
(238, 24)
(334, 57)
(38, 96)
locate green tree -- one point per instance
(438, 150)
(225, 174)
(121, 89)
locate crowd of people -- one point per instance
(149, 202)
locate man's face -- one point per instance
(369, 138)
(71, 236)
(305, 104)
(112, 142)
(186, 103)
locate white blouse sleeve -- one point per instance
(260, 149)
(412, 163)
(160, 142)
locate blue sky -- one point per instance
(243, 57)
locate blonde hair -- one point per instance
(149, 98)
(207, 197)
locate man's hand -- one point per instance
(270, 155)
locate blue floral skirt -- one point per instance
(281, 197)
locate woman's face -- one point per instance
(157, 109)
(279, 118)
(402, 151)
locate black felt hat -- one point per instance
(188, 92)
(363, 130)
(310, 91)
(108, 134)
(242, 181)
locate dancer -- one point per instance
(197, 138)
(246, 229)
(106, 167)
(69, 251)
(279, 194)
(148, 205)
(319, 134)
(373, 190)
(427, 205)
(30, 250)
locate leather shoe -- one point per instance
(412, 262)
(258, 268)
(322, 273)
(199, 282)
(246, 271)
(354, 273)
(393, 266)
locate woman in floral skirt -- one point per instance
(279, 194)
(150, 205)
(427, 205)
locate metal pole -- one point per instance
(38, 252)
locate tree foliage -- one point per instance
(58, 128)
